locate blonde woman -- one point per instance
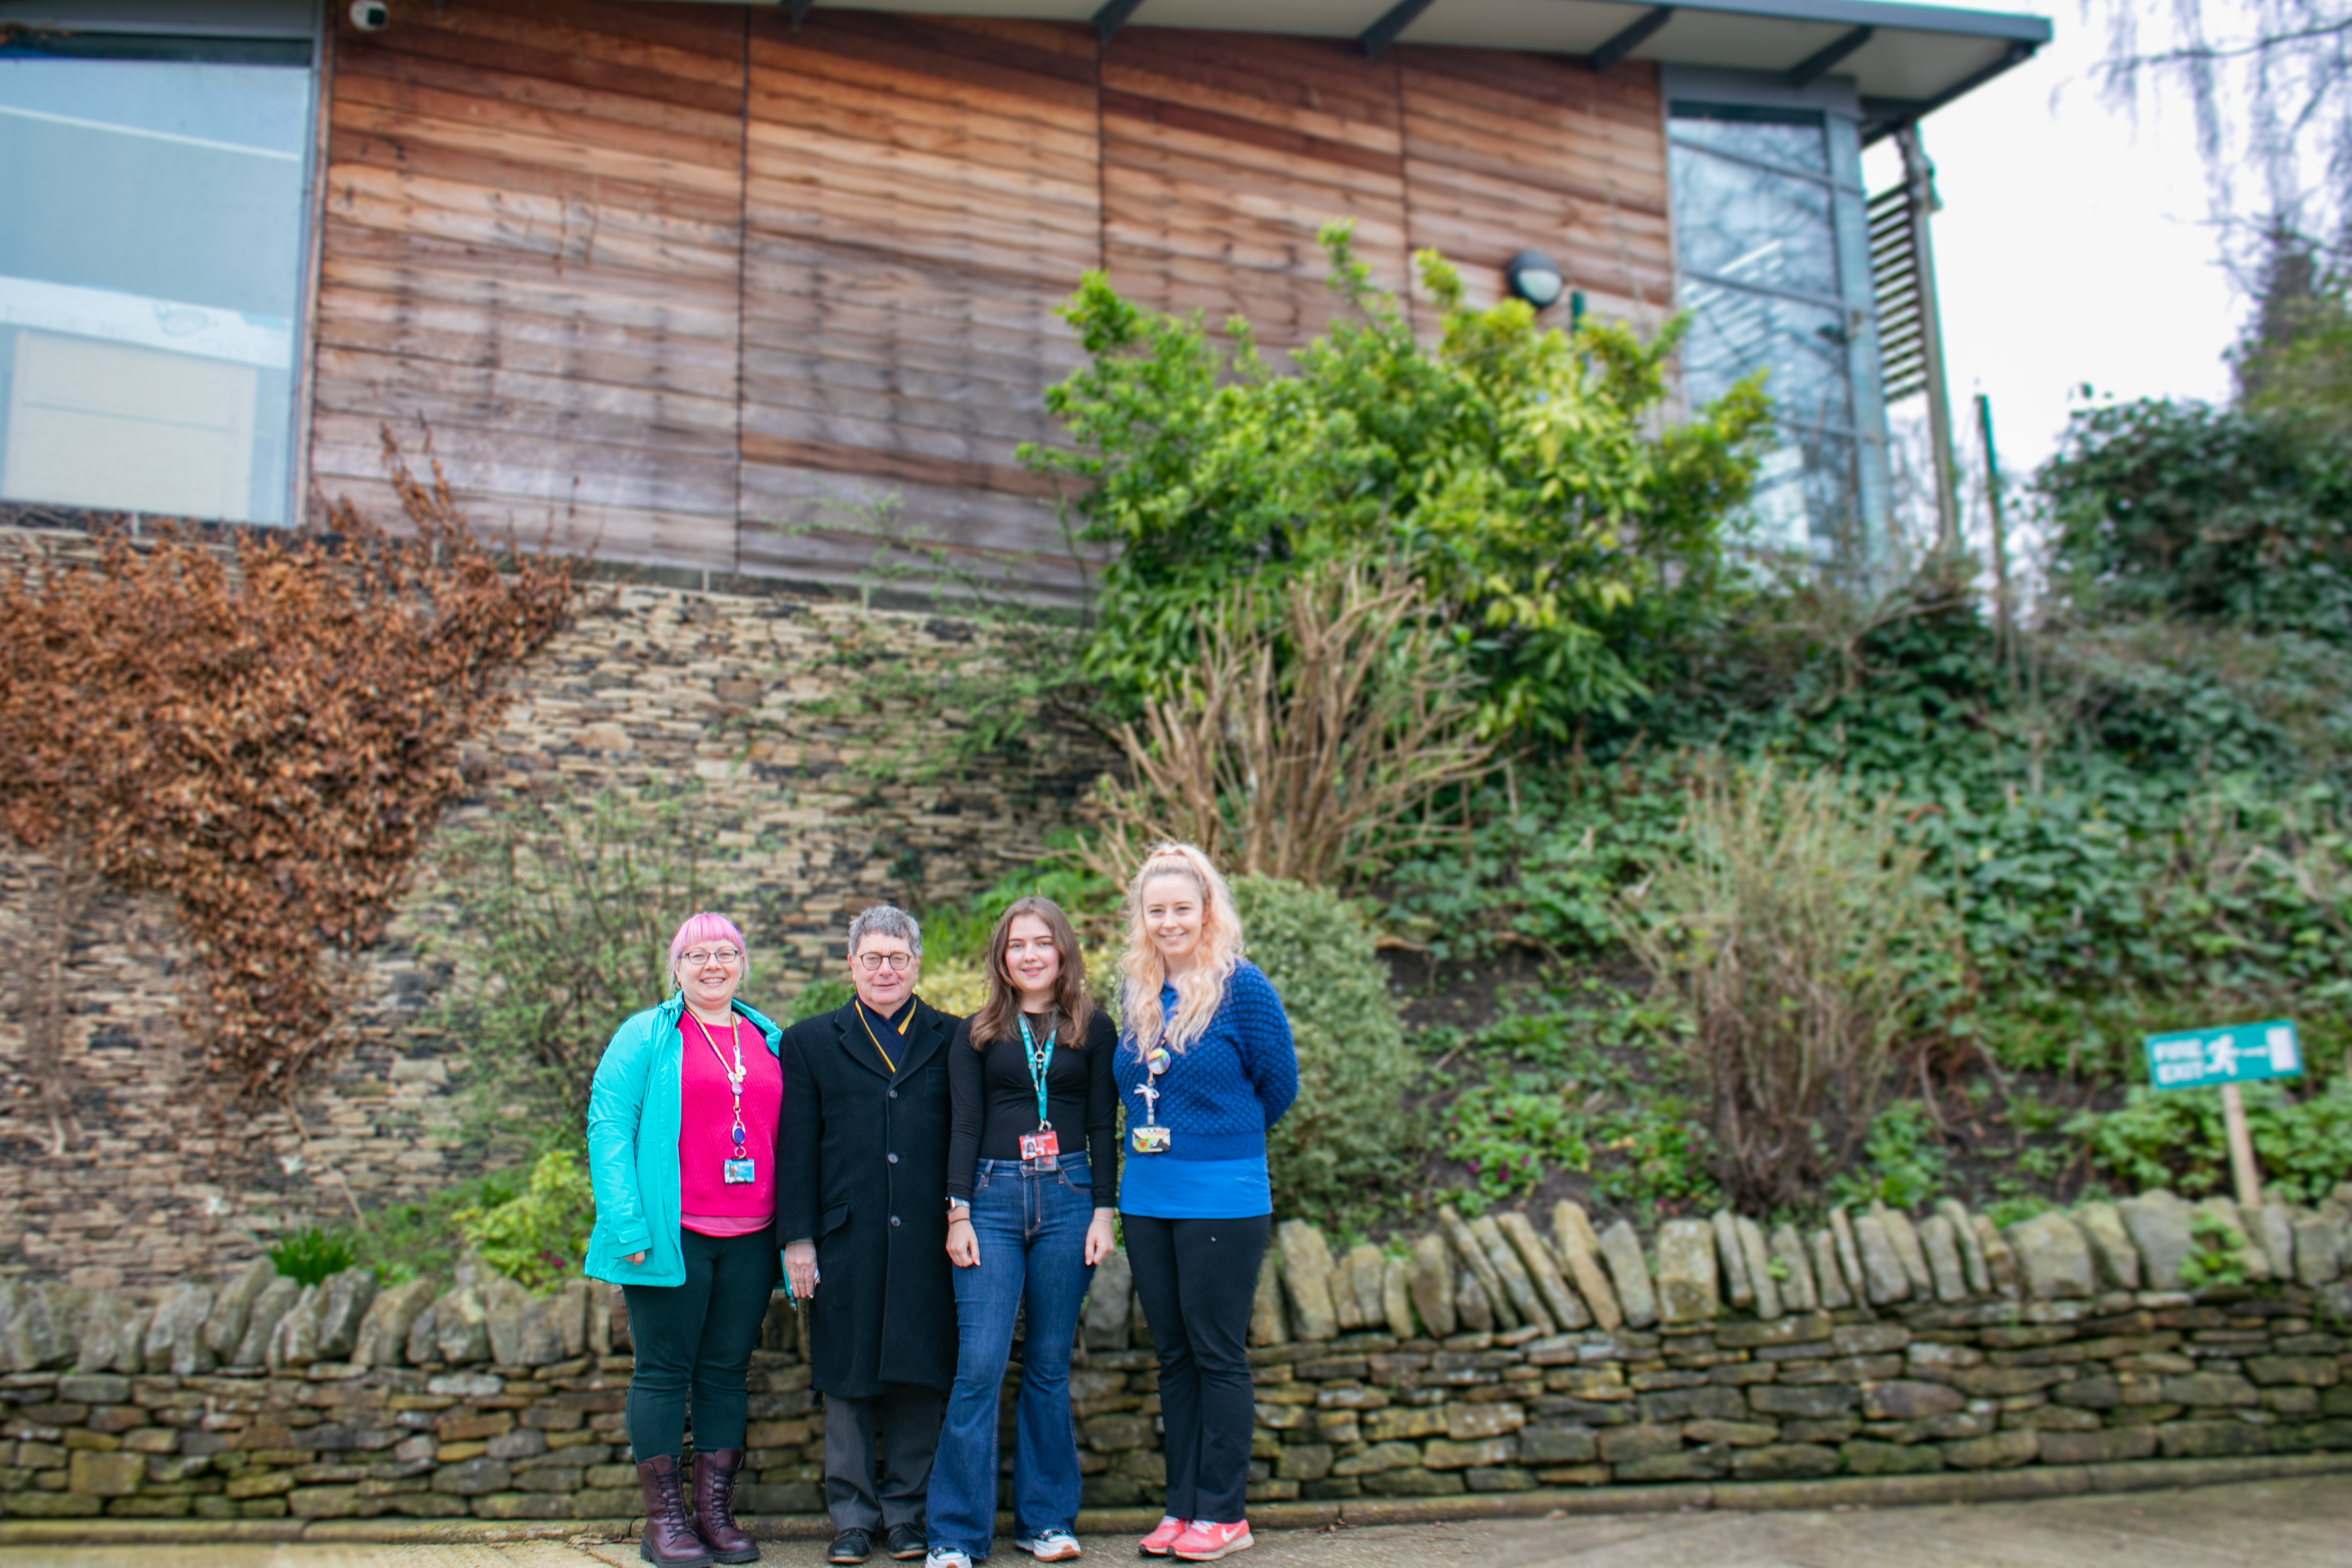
(1204, 1067)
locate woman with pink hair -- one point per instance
(681, 1133)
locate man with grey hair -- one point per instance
(861, 1215)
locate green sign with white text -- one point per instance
(2231, 1053)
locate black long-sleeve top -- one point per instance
(991, 1102)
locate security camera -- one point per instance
(370, 15)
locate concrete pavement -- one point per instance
(2299, 1524)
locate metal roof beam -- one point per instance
(1631, 38)
(1394, 21)
(1814, 67)
(1112, 18)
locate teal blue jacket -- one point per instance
(633, 1126)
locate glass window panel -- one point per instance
(1802, 346)
(1738, 222)
(1795, 141)
(150, 270)
(1806, 493)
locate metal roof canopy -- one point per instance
(1904, 60)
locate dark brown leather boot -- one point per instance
(670, 1540)
(714, 1506)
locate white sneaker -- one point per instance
(946, 1557)
(1049, 1545)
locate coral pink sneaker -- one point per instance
(1208, 1540)
(1155, 1545)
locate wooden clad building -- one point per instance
(717, 287)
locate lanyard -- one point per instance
(877, 1044)
(1040, 1063)
(735, 1075)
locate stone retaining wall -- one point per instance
(148, 1180)
(1880, 1344)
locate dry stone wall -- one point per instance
(146, 1181)
(1485, 1357)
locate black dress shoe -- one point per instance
(850, 1546)
(906, 1542)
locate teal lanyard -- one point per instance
(1040, 1062)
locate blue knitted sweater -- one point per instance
(1217, 1099)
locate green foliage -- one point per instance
(564, 911)
(1587, 1080)
(823, 995)
(307, 1257)
(419, 1238)
(1526, 477)
(538, 1235)
(2220, 1255)
(994, 674)
(1347, 1137)
(1903, 1163)
(2175, 1139)
(2220, 515)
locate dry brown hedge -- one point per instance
(264, 731)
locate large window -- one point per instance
(1765, 271)
(151, 202)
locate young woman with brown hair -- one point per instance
(1033, 1174)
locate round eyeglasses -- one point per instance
(901, 961)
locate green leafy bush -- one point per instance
(1588, 1079)
(2175, 1139)
(307, 1257)
(1531, 480)
(1903, 1166)
(564, 911)
(537, 1237)
(2219, 1255)
(1348, 1137)
(2183, 510)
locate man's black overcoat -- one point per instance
(861, 1169)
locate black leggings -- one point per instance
(1196, 1279)
(698, 1338)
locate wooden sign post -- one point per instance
(2225, 1058)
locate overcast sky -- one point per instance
(2072, 246)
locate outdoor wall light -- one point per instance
(1534, 277)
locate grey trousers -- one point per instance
(907, 1415)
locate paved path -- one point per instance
(2301, 1523)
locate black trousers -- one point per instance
(1196, 1279)
(695, 1341)
(907, 1417)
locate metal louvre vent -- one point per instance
(1894, 279)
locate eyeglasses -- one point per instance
(901, 961)
(699, 956)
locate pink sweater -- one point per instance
(711, 1205)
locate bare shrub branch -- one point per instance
(1308, 738)
(1793, 923)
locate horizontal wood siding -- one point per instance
(1507, 152)
(679, 284)
(921, 194)
(1224, 156)
(533, 244)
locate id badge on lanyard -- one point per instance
(741, 1169)
(1041, 1150)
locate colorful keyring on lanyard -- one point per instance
(1150, 1138)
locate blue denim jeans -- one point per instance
(1031, 1231)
